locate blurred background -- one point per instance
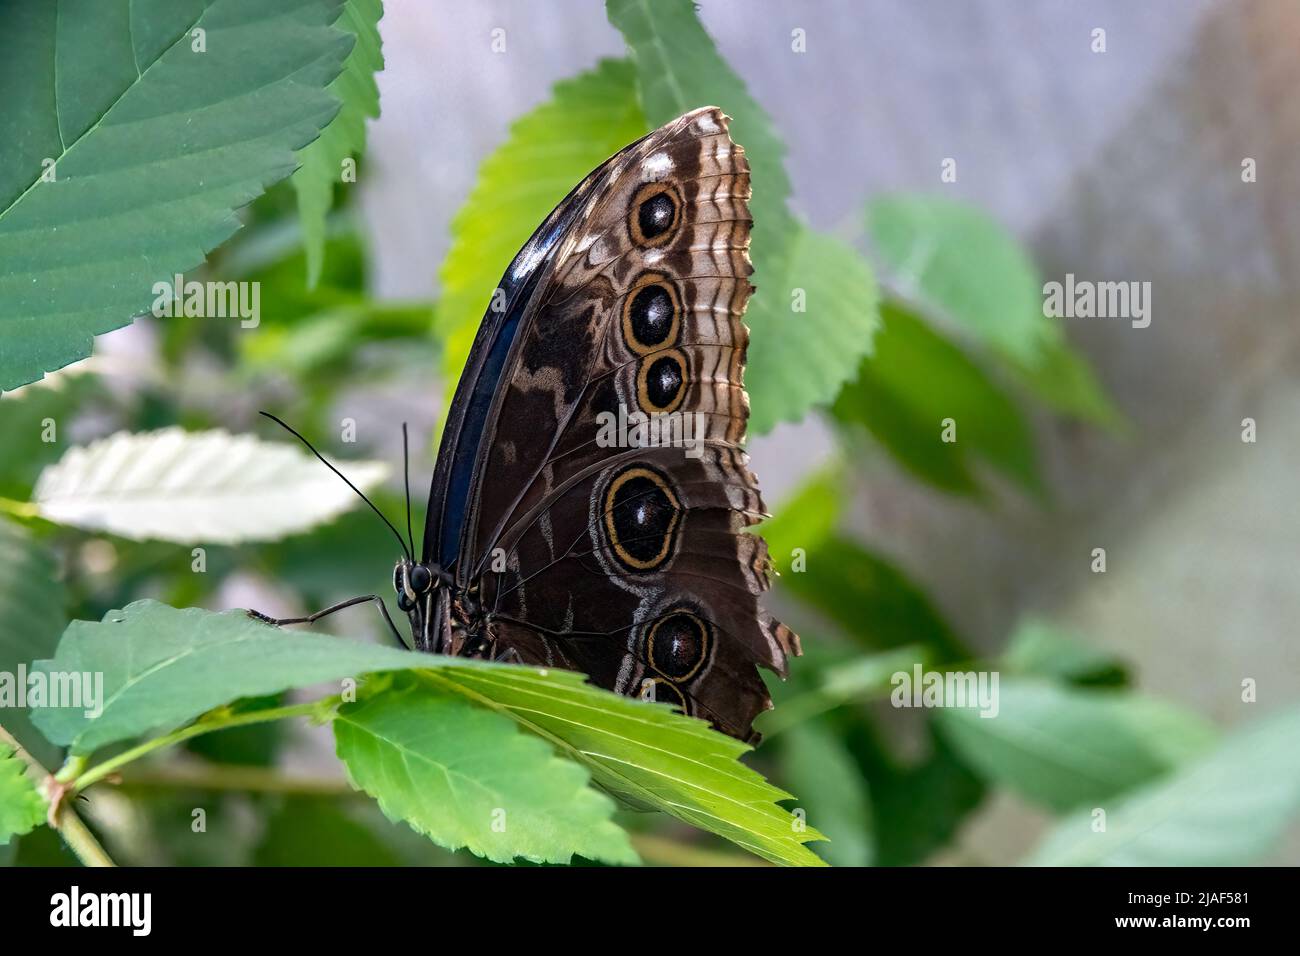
(1124, 164)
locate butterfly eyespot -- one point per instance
(678, 645)
(420, 579)
(651, 314)
(655, 213)
(641, 518)
(660, 382)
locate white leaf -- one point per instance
(192, 487)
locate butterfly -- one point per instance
(563, 529)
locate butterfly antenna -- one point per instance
(311, 448)
(406, 473)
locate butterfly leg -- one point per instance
(325, 612)
(509, 656)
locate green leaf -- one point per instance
(914, 380)
(815, 763)
(798, 360)
(294, 834)
(679, 69)
(467, 777)
(162, 667)
(549, 150)
(32, 616)
(251, 745)
(791, 367)
(807, 517)
(954, 256)
(856, 678)
(22, 808)
(345, 136)
(26, 418)
(1043, 650)
(154, 146)
(917, 809)
(646, 753)
(1066, 747)
(873, 600)
(1226, 809)
(1060, 377)
(195, 487)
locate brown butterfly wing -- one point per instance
(633, 564)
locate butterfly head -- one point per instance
(414, 582)
(420, 595)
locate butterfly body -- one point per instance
(554, 537)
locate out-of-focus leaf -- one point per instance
(916, 809)
(315, 831)
(1062, 379)
(196, 487)
(466, 776)
(647, 753)
(1226, 809)
(870, 598)
(856, 679)
(32, 616)
(954, 256)
(806, 517)
(796, 359)
(42, 847)
(912, 383)
(30, 416)
(549, 151)
(155, 144)
(351, 555)
(345, 136)
(163, 667)
(815, 763)
(1066, 747)
(21, 807)
(254, 745)
(330, 340)
(1041, 649)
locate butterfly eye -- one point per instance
(420, 579)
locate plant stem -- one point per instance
(19, 509)
(113, 764)
(245, 779)
(75, 833)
